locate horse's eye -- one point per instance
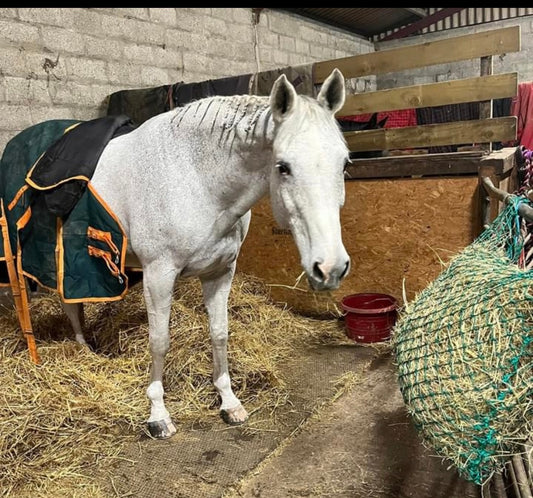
(283, 168)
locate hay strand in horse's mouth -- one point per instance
(323, 300)
(61, 420)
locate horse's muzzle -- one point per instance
(320, 280)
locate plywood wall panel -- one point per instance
(398, 233)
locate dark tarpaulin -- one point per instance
(143, 104)
(140, 104)
(183, 93)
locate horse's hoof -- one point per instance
(234, 416)
(81, 340)
(161, 429)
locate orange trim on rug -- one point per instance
(107, 257)
(71, 127)
(114, 216)
(23, 220)
(95, 299)
(25, 318)
(48, 187)
(18, 195)
(34, 164)
(35, 279)
(60, 255)
(122, 260)
(10, 263)
(28, 174)
(102, 236)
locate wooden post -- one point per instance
(498, 166)
(485, 108)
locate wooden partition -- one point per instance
(480, 47)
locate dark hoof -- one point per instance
(161, 429)
(235, 416)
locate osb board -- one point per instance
(398, 233)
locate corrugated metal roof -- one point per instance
(382, 24)
(364, 22)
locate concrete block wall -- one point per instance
(65, 62)
(521, 62)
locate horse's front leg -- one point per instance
(158, 283)
(216, 292)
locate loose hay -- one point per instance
(464, 349)
(64, 419)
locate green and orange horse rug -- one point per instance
(59, 231)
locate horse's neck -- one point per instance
(235, 145)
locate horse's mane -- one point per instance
(227, 116)
(224, 113)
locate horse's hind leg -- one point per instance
(74, 312)
(216, 292)
(158, 283)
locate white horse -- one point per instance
(182, 185)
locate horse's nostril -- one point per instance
(346, 268)
(317, 272)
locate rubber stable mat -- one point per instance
(205, 461)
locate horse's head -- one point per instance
(307, 178)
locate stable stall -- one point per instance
(410, 209)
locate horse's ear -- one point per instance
(282, 98)
(332, 93)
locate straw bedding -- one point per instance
(63, 420)
(464, 349)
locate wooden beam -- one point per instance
(457, 132)
(447, 92)
(492, 42)
(455, 163)
(494, 165)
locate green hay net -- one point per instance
(464, 349)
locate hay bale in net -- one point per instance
(463, 348)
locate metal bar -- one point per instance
(499, 486)
(423, 23)
(485, 108)
(524, 210)
(521, 477)
(528, 460)
(486, 491)
(512, 476)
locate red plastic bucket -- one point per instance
(369, 317)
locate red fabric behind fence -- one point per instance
(397, 119)
(522, 108)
